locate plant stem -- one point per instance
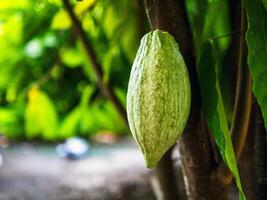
(243, 98)
(247, 160)
(92, 57)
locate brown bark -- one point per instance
(197, 164)
(163, 179)
(261, 156)
(196, 152)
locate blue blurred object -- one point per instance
(74, 148)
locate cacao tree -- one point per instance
(197, 86)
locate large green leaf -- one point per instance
(214, 110)
(257, 45)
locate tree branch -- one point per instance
(243, 101)
(92, 57)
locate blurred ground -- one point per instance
(109, 172)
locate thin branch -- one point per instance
(243, 99)
(243, 102)
(92, 57)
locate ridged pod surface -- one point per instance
(159, 96)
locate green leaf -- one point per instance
(4, 5)
(40, 116)
(10, 122)
(69, 126)
(71, 57)
(257, 45)
(265, 3)
(214, 110)
(61, 21)
(73, 122)
(83, 6)
(209, 19)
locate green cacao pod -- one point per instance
(158, 98)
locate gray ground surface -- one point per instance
(112, 172)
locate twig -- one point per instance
(92, 57)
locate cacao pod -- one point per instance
(158, 97)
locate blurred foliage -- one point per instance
(48, 89)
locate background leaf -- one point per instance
(214, 110)
(10, 122)
(265, 3)
(40, 116)
(209, 19)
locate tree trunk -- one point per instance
(198, 165)
(261, 157)
(197, 156)
(163, 179)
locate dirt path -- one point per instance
(112, 172)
